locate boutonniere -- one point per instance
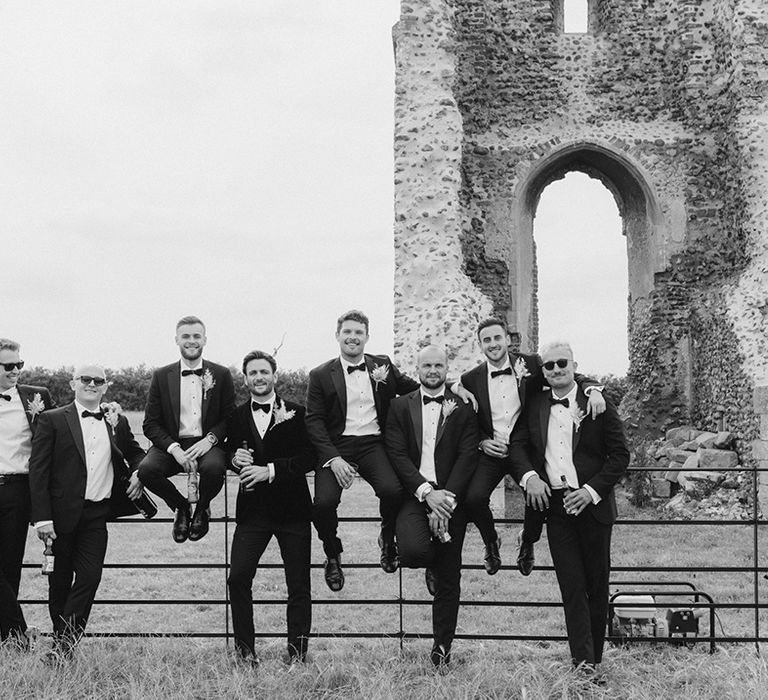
(379, 375)
(578, 415)
(282, 414)
(521, 371)
(449, 406)
(208, 383)
(111, 411)
(35, 405)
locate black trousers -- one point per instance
(79, 560)
(417, 550)
(373, 465)
(490, 471)
(581, 554)
(14, 524)
(248, 544)
(158, 465)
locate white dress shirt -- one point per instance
(15, 435)
(361, 409)
(430, 419)
(98, 456)
(505, 401)
(191, 403)
(261, 420)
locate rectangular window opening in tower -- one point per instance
(576, 16)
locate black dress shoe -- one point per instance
(181, 524)
(440, 657)
(389, 560)
(198, 528)
(334, 576)
(492, 556)
(525, 557)
(431, 581)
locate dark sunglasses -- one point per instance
(10, 366)
(549, 366)
(97, 381)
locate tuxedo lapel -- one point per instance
(544, 411)
(414, 408)
(369, 365)
(581, 402)
(521, 383)
(339, 384)
(206, 399)
(70, 415)
(117, 453)
(174, 391)
(484, 394)
(25, 396)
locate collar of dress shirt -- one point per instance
(491, 368)
(571, 396)
(184, 365)
(80, 408)
(270, 401)
(14, 390)
(346, 363)
(439, 393)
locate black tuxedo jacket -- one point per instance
(600, 452)
(327, 400)
(28, 395)
(161, 416)
(285, 444)
(57, 471)
(455, 443)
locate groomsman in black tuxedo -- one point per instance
(572, 463)
(81, 460)
(501, 385)
(432, 442)
(20, 406)
(347, 403)
(267, 444)
(187, 408)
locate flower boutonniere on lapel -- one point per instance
(282, 414)
(379, 375)
(208, 383)
(111, 411)
(578, 415)
(449, 406)
(35, 406)
(521, 371)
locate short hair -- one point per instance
(259, 355)
(491, 322)
(552, 344)
(189, 321)
(6, 344)
(352, 315)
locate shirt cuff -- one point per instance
(595, 387)
(595, 497)
(423, 490)
(525, 478)
(271, 467)
(42, 523)
(171, 446)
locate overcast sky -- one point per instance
(229, 159)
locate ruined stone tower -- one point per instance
(663, 101)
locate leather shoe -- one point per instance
(389, 560)
(334, 576)
(198, 528)
(181, 524)
(525, 557)
(440, 657)
(492, 556)
(431, 581)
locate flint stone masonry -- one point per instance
(666, 103)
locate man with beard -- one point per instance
(347, 403)
(432, 442)
(185, 419)
(20, 407)
(267, 444)
(81, 459)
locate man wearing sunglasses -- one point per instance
(500, 386)
(20, 406)
(185, 419)
(80, 461)
(572, 462)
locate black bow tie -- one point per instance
(256, 406)
(563, 402)
(196, 372)
(355, 368)
(98, 415)
(429, 399)
(498, 372)
(5, 396)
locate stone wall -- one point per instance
(664, 101)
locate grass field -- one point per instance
(377, 668)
